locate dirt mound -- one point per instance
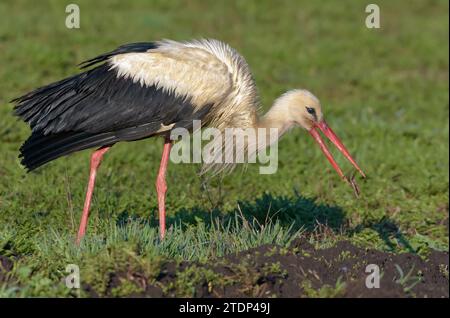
(297, 271)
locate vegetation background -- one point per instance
(384, 91)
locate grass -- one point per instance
(384, 91)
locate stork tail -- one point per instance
(39, 149)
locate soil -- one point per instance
(299, 271)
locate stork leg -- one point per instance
(161, 187)
(96, 159)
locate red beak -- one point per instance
(337, 142)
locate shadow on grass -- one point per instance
(388, 230)
(297, 212)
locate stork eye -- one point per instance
(310, 110)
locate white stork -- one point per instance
(141, 90)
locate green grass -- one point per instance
(385, 92)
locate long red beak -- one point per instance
(337, 142)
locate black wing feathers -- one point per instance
(97, 108)
(126, 48)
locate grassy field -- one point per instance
(384, 91)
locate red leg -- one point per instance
(161, 187)
(96, 159)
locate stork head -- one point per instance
(304, 109)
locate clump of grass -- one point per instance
(198, 242)
(326, 291)
(274, 269)
(408, 280)
(444, 270)
(190, 278)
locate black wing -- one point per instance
(97, 108)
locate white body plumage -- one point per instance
(209, 71)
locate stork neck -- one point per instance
(275, 118)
